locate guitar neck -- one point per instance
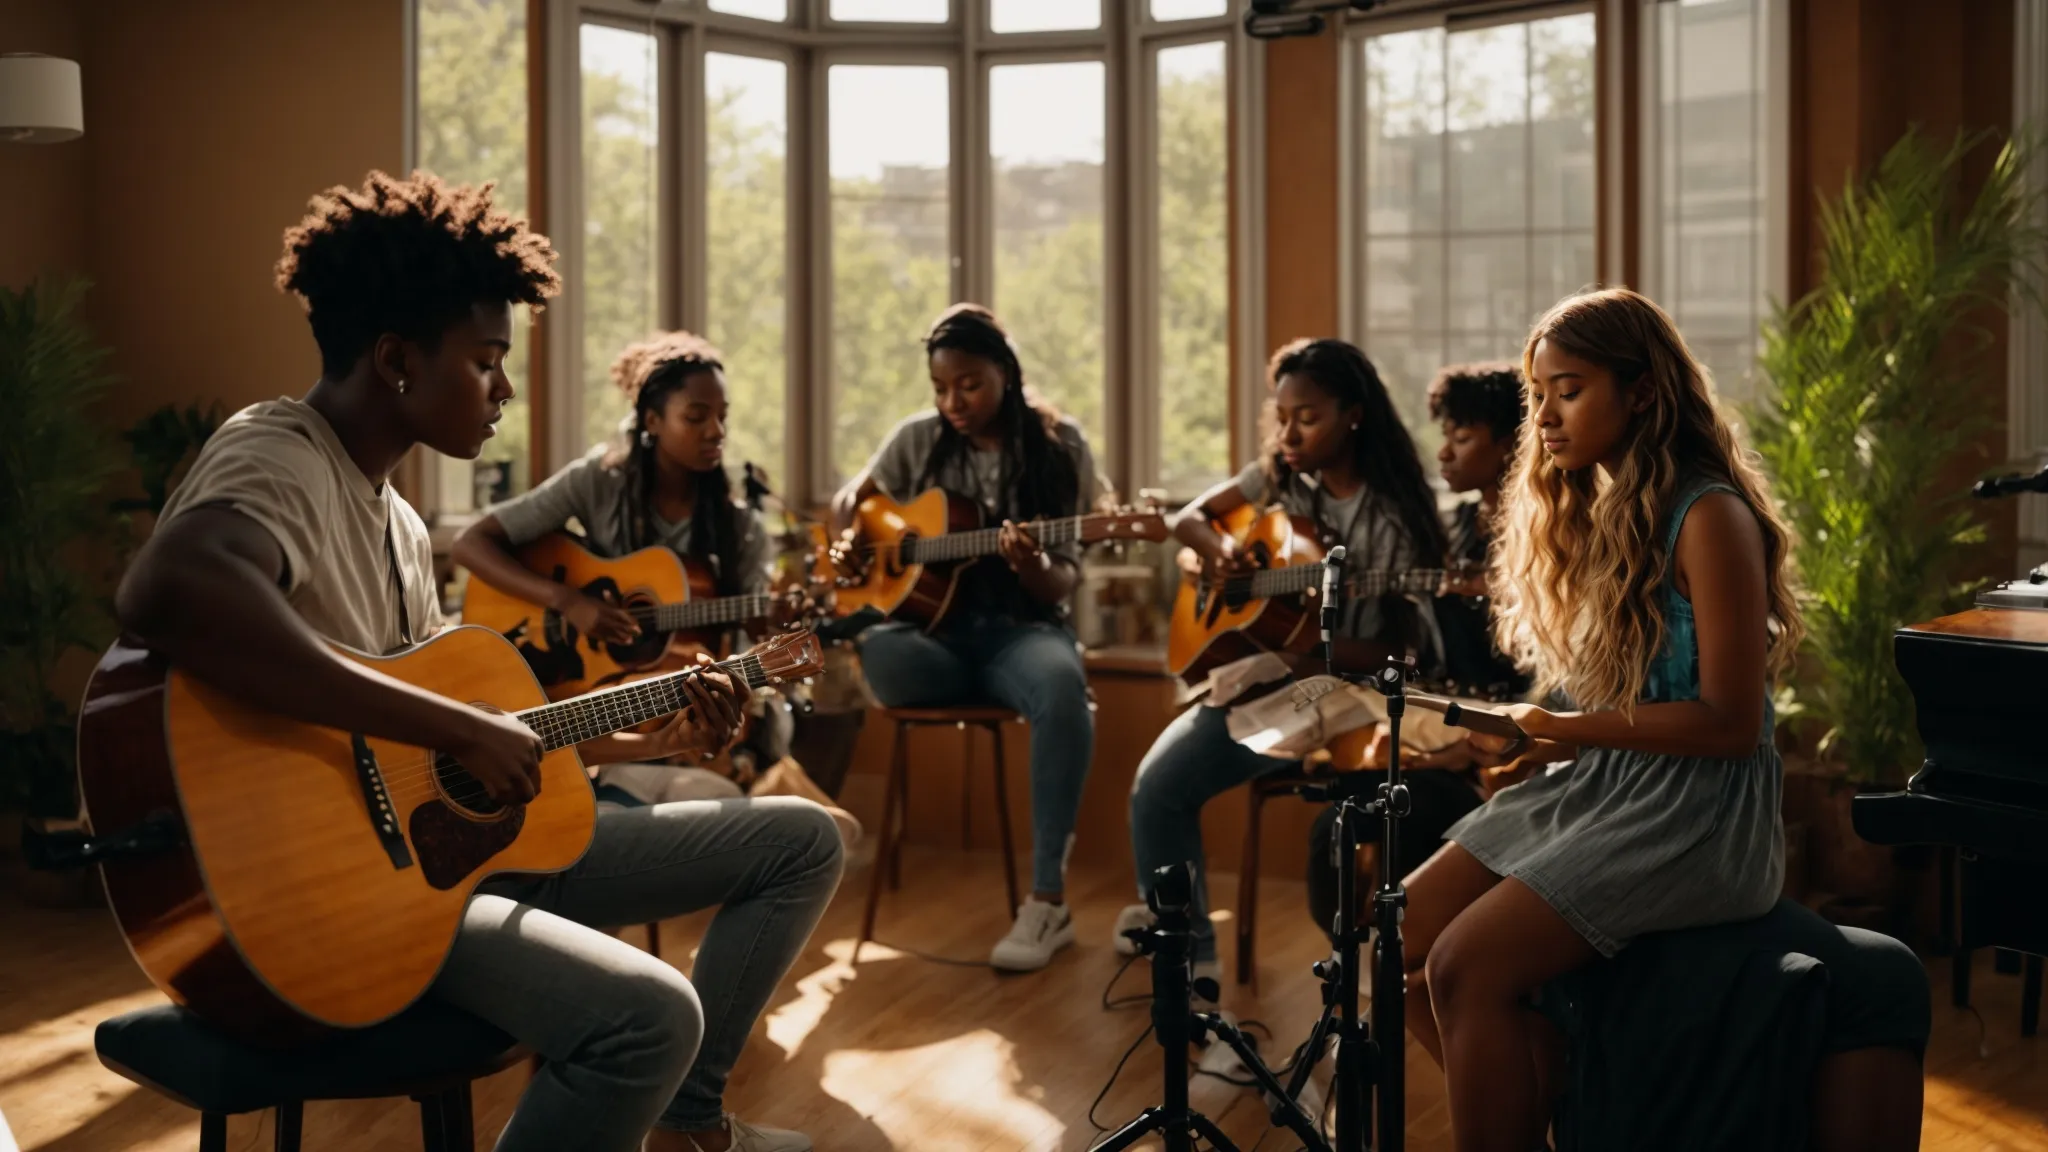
(982, 541)
(598, 714)
(722, 610)
(1372, 582)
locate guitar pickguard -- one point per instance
(450, 845)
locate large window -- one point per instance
(1475, 199)
(1192, 212)
(1708, 182)
(809, 184)
(1046, 159)
(746, 252)
(470, 127)
(891, 244)
(620, 293)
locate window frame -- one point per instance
(808, 44)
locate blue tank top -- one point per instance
(1675, 673)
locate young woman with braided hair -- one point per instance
(990, 438)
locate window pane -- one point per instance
(1711, 203)
(1496, 124)
(758, 9)
(1188, 9)
(1486, 110)
(472, 128)
(1404, 123)
(1046, 150)
(892, 11)
(746, 255)
(890, 141)
(1043, 15)
(1193, 212)
(621, 82)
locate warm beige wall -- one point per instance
(210, 124)
(43, 186)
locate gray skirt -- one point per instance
(1623, 843)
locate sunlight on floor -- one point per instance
(965, 1094)
(788, 1025)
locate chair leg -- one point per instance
(1248, 891)
(966, 788)
(213, 1132)
(654, 939)
(1959, 976)
(445, 1121)
(995, 732)
(2030, 997)
(884, 847)
(901, 766)
(290, 1119)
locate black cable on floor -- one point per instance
(1114, 1073)
(1132, 1001)
(927, 956)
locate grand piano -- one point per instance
(1982, 793)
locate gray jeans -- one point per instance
(629, 1043)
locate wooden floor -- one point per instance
(900, 1052)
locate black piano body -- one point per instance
(1980, 690)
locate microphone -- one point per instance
(1333, 595)
(2007, 485)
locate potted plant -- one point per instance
(55, 462)
(1880, 385)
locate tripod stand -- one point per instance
(1371, 1061)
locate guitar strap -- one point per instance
(398, 578)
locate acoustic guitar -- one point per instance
(668, 595)
(317, 877)
(913, 555)
(1217, 621)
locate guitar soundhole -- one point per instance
(462, 791)
(892, 558)
(648, 648)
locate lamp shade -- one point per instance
(39, 99)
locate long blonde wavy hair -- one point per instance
(1580, 559)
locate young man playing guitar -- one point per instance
(1005, 637)
(287, 536)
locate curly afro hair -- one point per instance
(409, 257)
(669, 355)
(1488, 393)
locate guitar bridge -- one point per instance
(382, 819)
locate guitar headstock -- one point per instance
(789, 656)
(1125, 523)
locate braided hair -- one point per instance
(1039, 476)
(1382, 453)
(650, 372)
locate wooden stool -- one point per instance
(896, 797)
(430, 1052)
(1248, 868)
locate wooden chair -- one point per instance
(896, 797)
(430, 1052)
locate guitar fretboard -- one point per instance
(598, 714)
(1271, 582)
(692, 614)
(982, 541)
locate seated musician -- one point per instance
(989, 437)
(1341, 459)
(287, 537)
(1642, 570)
(1479, 407)
(663, 482)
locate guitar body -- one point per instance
(288, 910)
(1208, 630)
(916, 593)
(565, 662)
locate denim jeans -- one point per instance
(1193, 760)
(1032, 668)
(629, 1042)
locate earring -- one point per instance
(402, 385)
(646, 438)
(1354, 427)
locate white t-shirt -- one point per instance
(280, 464)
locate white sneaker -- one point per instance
(749, 1138)
(1041, 929)
(1133, 916)
(1211, 971)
